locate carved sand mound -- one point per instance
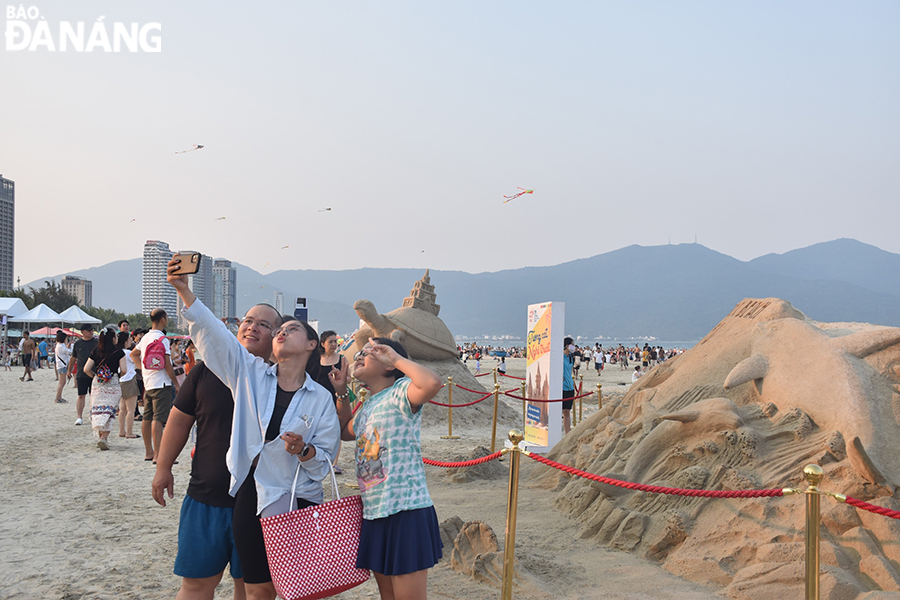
(485, 471)
(766, 392)
(418, 328)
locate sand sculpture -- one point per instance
(429, 341)
(766, 392)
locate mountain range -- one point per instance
(671, 292)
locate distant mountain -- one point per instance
(670, 292)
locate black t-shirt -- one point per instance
(110, 360)
(82, 351)
(282, 401)
(210, 402)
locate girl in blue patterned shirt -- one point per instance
(400, 537)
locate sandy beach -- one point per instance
(80, 523)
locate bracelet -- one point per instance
(342, 397)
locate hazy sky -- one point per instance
(756, 126)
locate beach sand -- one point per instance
(77, 522)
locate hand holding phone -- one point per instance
(189, 263)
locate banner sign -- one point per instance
(543, 374)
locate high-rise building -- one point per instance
(7, 232)
(81, 288)
(201, 283)
(279, 303)
(155, 290)
(224, 289)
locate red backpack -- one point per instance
(154, 357)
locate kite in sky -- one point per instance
(283, 247)
(196, 147)
(325, 209)
(514, 196)
(220, 219)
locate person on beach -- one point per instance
(128, 385)
(136, 337)
(42, 354)
(105, 365)
(400, 539)
(205, 539)
(81, 352)
(272, 404)
(28, 352)
(501, 368)
(63, 356)
(124, 326)
(637, 374)
(330, 361)
(568, 390)
(159, 379)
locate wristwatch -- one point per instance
(306, 451)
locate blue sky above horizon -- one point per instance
(756, 127)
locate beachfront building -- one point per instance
(201, 283)
(224, 303)
(279, 303)
(155, 290)
(7, 231)
(81, 288)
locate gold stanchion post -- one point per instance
(509, 550)
(599, 396)
(581, 400)
(813, 474)
(450, 435)
(496, 403)
(495, 375)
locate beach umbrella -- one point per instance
(73, 314)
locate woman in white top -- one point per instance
(63, 355)
(130, 390)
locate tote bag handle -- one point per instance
(335, 494)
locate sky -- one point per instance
(750, 127)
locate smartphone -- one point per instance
(190, 263)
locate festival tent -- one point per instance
(12, 307)
(39, 314)
(73, 314)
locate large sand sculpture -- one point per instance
(417, 326)
(766, 392)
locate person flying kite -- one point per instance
(196, 147)
(514, 196)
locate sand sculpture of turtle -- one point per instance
(416, 324)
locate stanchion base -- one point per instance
(449, 437)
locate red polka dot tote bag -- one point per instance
(312, 551)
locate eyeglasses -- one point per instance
(359, 355)
(250, 322)
(287, 330)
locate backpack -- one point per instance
(104, 374)
(154, 356)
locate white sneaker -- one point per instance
(78, 421)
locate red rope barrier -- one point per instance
(468, 390)
(483, 374)
(512, 376)
(655, 489)
(539, 400)
(358, 406)
(465, 463)
(878, 510)
(466, 404)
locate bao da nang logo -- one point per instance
(28, 30)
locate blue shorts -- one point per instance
(205, 541)
(405, 542)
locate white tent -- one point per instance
(12, 307)
(73, 314)
(39, 314)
